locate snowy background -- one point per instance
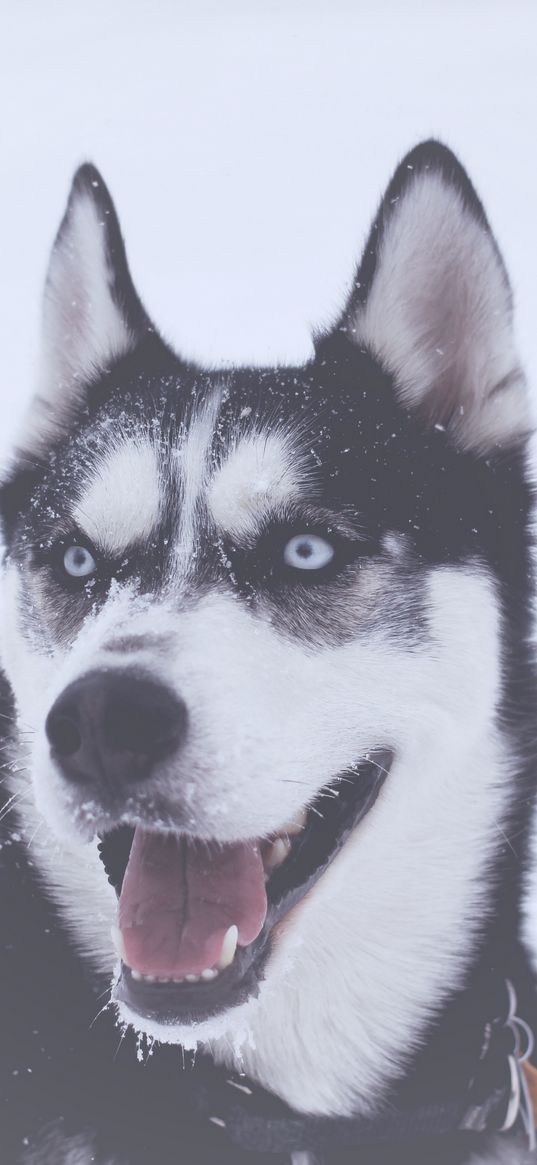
(246, 145)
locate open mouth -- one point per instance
(196, 919)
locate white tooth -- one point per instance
(297, 824)
(119, 945)
(136, 974)
(209, 973)
(277, 853)
(149, 978)
(192, 978)
(163, 979)
(177, 980)
(229, 946)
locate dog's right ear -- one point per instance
(431, 303)
(92, 315)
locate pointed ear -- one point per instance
(91, 314)
(432, 303)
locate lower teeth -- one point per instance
(205, 976)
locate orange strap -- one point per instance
(531, 1076)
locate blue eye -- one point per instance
(79, 562)
(308, 552)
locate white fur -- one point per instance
(530, 898)
(84, 329)
(257, 478)
(120, 504)
(439, 317)
(406, 891)
(408, 886)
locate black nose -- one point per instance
(110, 728)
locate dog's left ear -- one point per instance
(92, 315)
(432, 303)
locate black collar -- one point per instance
(491, 1095)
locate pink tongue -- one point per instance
(179, 898)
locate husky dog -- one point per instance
(269, 709)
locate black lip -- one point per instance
(336, 813)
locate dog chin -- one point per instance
(231, 1029)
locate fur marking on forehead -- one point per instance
(259, 476)
(193, 462)
(121, 503)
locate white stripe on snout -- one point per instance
(121, 502)
(259, 476)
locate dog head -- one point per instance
(254, 623)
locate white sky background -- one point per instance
(246, 145)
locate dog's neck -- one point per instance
(457, 1095)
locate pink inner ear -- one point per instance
(438, 311)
